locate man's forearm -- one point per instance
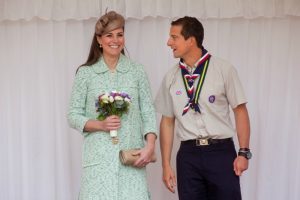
(242, 125)
(166, 139)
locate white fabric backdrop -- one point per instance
(40, 155)
(84, 9)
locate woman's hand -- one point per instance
(147, 152)
(112, 122)
(145, 156)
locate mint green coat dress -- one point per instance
(104, 177)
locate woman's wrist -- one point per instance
(150, 138)
(150, 145)
(93, 126)
(100, 125)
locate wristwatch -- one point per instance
(245, 152)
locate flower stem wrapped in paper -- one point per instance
(113, 103)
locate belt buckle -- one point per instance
(202, 141)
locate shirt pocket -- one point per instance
(214, 97)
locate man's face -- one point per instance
(178, 44)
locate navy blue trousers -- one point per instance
(206, 172)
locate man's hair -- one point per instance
(191, 27)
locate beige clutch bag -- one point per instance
(128, 157)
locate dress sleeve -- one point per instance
(146, 104)
(77, 106)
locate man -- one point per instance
(197, 94)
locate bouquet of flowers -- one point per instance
(113, 103)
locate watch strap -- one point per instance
(246, 155)
(244, 149)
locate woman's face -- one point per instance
(112, 42)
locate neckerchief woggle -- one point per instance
(189, 80)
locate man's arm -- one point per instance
(166, 144)
(243, 132)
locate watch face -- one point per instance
(247, 154)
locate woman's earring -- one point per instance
(100, 45)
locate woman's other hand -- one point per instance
(147, 152)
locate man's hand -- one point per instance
(240, 164)
(169, 178)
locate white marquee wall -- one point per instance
(42, 45)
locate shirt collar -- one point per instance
(185, 65)
(101, 67)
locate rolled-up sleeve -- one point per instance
(146, 104)
(77, 106)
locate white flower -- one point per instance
(127, 100)
(118, 98)
(111, 99)
(105, 98)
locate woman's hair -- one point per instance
(106, 23)
(191, 27)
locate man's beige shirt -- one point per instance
(221, 88)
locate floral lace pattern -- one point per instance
(104, 177)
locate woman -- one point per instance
(108, 69)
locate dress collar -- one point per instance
(101, 67)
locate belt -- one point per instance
(205, 141)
